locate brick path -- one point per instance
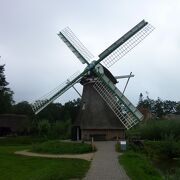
(105, 165)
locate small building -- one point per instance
(95, 118)
(12, 124)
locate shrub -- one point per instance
(56, 130)
(162, 149)
(59, 147)
(43, 127)
(156, 130)
(176, 174)
(60, 130)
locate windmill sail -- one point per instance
(41, 103)
(120, 105)
(123, 45)
(75, 45)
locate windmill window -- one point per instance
(84, 106)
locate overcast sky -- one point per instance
(37, 60)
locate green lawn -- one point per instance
(60, 147)
(20, 140)
(138, 167)
(15, 167)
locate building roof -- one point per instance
(92, 77)
(94, 112)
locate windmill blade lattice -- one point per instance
(120, 105)
(70, 39)
(125, 43)
(44, 101)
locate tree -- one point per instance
(22, 108)
(178, 108)
(170, 107)
(6, 95)
(52, 112)
(145, 102)
(159, 108)
(43, 127)
(58, 112)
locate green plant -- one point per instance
(156, 130)
(20, 140)
(60, 130)
(138, 166)
(17, 167)
(176, 174)
(6, 94)
(43, 127)
(60, 147)
(163, 149)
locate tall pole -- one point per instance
(76, 91)
(127, 82)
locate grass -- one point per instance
(164, 155)
(138, 167)
(20, 140)
(161, 145)
(59, 147)
(15, 167)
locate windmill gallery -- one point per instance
(104, 112)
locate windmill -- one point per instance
(100, 94)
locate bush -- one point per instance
(163, 149)
(56, 130)
(43, 127)
(156, 130)
(176, 174)
(59, 147)
(60, 130)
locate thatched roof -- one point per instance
(94, 112)
(109, 75)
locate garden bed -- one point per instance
(61, 147)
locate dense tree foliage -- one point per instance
(159, 107)
(22, 108)
(53, 122)
(58, 112)
(56, 119)
(6, 95)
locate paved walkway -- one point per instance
(87, 156)
(105, 165)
